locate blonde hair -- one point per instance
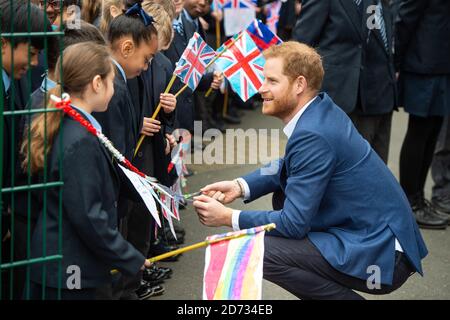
(106, 17)
(167, 5)
(299, 60)
(94, 60)
(163, 22)
(90, 10)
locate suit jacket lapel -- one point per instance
(352, 11)
(179, 44)
(189, 27)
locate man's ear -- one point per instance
(127, 48)
(300, 85)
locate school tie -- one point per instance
(382, 25)
(359, 7)
(178, 27)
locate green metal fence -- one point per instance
(17, 115)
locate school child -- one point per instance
(15, 63)
(133, 43)
(38, 100)
(71, 11)
(110, 10)
(91, 244)
(153, 157)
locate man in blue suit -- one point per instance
(345, 224)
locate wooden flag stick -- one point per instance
(218, 35)
(233, 41)
(181, 91)
(225, 103)
(158, 108)
(267, 227)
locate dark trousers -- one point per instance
(298, 267)
(376, 129)
(440, 167)
(139, 222)
(417, 153)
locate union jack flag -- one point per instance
(273, 15)
(262, 36)
(236, 4)
(218, 4)
(193, 62)
(242, 64)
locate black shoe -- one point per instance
(156, 275)
(156, 291)
(231, 119)
(146, 291)
(179, 229)
(437, 213)
(425, 217)
(166, 271)
(441, 204)
(169, 237)
(158, 247)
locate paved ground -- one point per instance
(186, 282)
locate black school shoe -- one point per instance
(158, 247)
(157, 275)
(146, 290)
(169, 237)
(426, 216)
(441, 204)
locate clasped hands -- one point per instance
(210, 205)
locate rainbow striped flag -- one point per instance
(234, 268)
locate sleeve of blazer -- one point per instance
(409, 14)
(311, 167)
(312, 19)
(113, 119)
(82, 199)
(264, 180)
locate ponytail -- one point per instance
(43, 130)
(81, 63)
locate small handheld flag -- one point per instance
(194, 61)
(242, 64)
(261, 35)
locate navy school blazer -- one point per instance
(90, 237)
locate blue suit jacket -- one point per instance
(339, 194)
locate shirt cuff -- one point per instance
(244, 184)
(235, 220)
